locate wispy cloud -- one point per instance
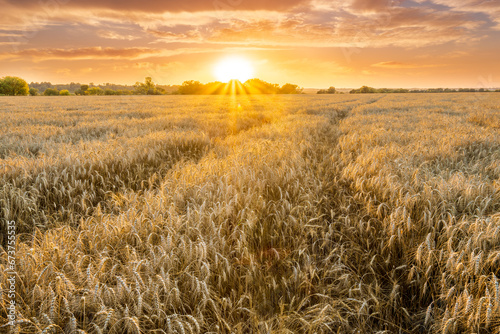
(167, 5)
(82, 53)
(108, 34)
(371, 5)
(400, 65)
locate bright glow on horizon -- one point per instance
(233, 68)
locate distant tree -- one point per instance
(330, 90)
(290, 89)
(150, 86)
(14, 86)
(401, 90)
(110, 92)
(73, 86)
(366, 90)
(168, 89)
(435, 90)
(363, 90)
(83, 90)
(252, 86)
(65, 92)
(191, 87)
(51, 92)
(33, 91)
(95, 91)
(214, 88)
(41, 86)
(257, 86)
(146, 88)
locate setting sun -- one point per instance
(233, 68)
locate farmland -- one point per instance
(253, 214)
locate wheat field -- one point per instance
(362, 213)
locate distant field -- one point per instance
(258, 214)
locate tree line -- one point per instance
(371, 90)
(17, 86)
(140, 88)
(251, 86)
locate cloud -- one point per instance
(82, 53)
(371, 5)
(316, 66)
(455, 54)
(9, 43)
(402, 27)
(169, 36)
(429, 18)
(155, 6)
(399, 65)
(489, 8)
(358, 23)
(109, 34)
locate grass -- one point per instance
(272, 214)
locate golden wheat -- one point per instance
(276, 214)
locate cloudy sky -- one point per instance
(313, 43)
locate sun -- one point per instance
(233, 68)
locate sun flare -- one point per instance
(233, 68)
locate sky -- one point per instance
(312, 43)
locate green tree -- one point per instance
(33, 91)
(330, 90)
(64, 92)
(191, 87)
(51, 92)
(401, 90)
(95, 91)
(14, 86)
(110, 92)
(146, 88)
(366, 90)
(257, 86)
(150, 86)
(290, 89)
(83, 90)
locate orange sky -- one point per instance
(313, 43)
